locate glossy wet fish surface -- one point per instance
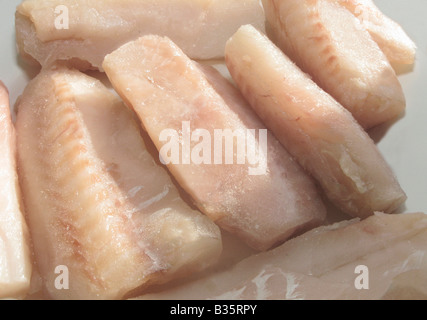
(324, 264)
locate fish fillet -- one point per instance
(95, 28)
(326, 41)
(388, 34)
(96, 200)
(323, 264)
(166, 88)
(15, 260)
(315, 128)
(409, 285)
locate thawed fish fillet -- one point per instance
(388, 34)
(167, 90)
(317, 130)
(327, 41)
(95, 28)
(324, 263)
(15, 260)
(96, 200)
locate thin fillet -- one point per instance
(15, 257)
(97, 202)
(166, 88)
(313, 127)
(95, 28)
(328, 42)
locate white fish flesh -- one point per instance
(388, 34)
(82, 32)
(15, 258)
(329, 43)
(349, 260)
(313, 127)
(97, 202)
(166, 88)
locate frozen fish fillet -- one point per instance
(84, 31)
(327, 41)
(15, 260)
(349, 260)
(388, 34)
(167, 89)
(97, 202)
(315, 128)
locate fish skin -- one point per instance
(96, 28)
(321, 264)
(327, 41)
(15, 256)
(313, 127)
(96, 200)
(158, 81)
(388, 34)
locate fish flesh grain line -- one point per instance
(15, 256)
(96, 201)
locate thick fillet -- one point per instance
(96, 200)
(95, 28)
(166, 88)
(329, 43)
(327, 263)
(316, 129)
(388, 34)
(15, 257)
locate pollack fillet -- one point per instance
(166, 88)
(315, 128)
(388, 34)
(15, 260)
(328, 42)
(329, 262)
(97, 202)
(95, 28)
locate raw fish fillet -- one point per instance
(166, 88)
(15, 260)
(323, 264)
(95, 28)
(97, 202)
(409, 285)
(388, 34)
(313, 127)
(326, 41)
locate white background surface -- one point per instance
(403, 143)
